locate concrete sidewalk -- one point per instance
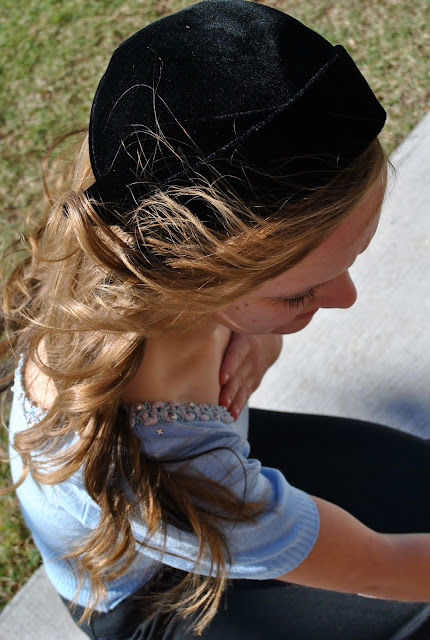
(37, 613)
(371, 362)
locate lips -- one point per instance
(306, 316)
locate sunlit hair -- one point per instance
(81, 305)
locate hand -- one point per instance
(245, 362)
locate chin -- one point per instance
(293, 327)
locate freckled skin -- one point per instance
(325, 270)
(195, 370)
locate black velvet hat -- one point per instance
(236, 84)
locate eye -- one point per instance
(298, 301)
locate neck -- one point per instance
(182, 366)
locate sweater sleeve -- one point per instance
(279, 538)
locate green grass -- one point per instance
(18, 556)
(52, 54)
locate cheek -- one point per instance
(238, 317)
(257, 317)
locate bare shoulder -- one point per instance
(39, 387)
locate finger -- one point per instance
(244, 378)
(236, 352)
(225, 397)
(239, 402)
(228, 392)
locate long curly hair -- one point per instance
(81, 303)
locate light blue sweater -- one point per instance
(59, 515)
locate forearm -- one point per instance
(407, 577)
(350, 557)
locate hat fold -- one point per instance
(200, 87)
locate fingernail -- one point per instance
(228, 401)
(226, 378)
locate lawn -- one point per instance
(52, 54)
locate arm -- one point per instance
(350, 557)
(245, 362)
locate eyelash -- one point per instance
(299, 301)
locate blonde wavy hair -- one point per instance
(92, 293)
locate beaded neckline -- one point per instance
(33, 412)
(140, 413)
(151, 413)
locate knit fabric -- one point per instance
(58, 516)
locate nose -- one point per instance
(339, 293)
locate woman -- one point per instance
(234, 175)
